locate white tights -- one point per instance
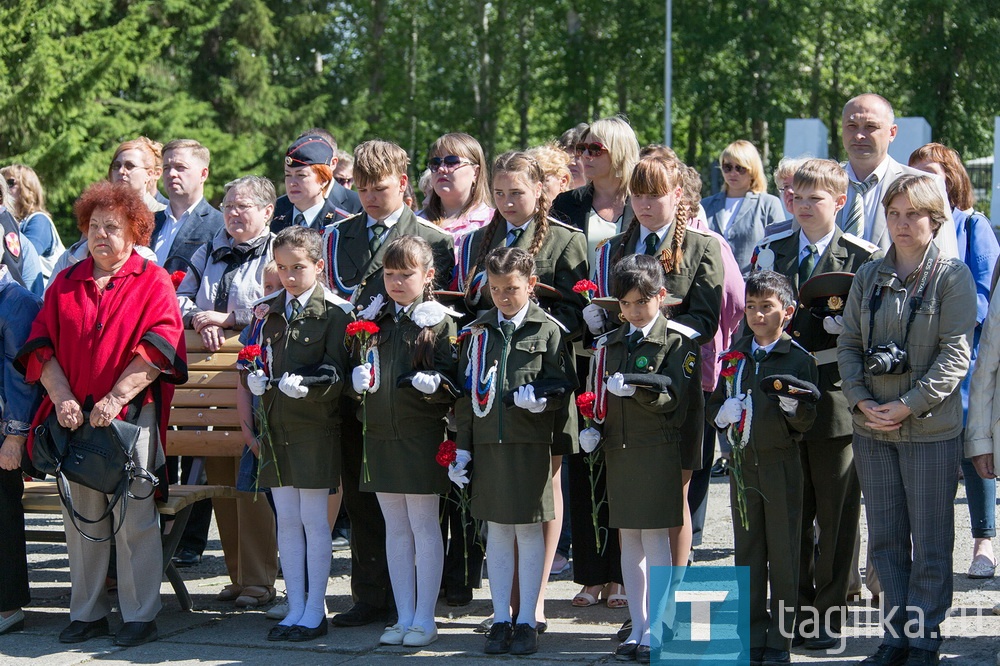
(303, 541)
(413, 543)
(530, 566)
(641, 549)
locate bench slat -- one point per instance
(201, 362)
(196, 416)
(215, 443)
(201, 397)
(194, 343)
(212, 379)
(43, 497)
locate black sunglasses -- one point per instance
(11, 182)
(451, 162)
(595, 149)
(738, 168)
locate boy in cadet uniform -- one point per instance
(766, 476)
(820, 261)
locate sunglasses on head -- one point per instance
(11, 182)
(738, 168)
(595, 149)
(450, 162)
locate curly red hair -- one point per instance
(121, 200)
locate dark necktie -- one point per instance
(378, 231)
(401, 315)
(300, 220)
(854, 222)
(507, 328)
(652, 240)
(759, 354)
(513, 235)
(296, 308)
(807, 265)
(634, 339)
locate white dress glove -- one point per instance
(833, 325)
(291, 385)
(596, 318)
(788, 405)
(257, 382)
(426, 382)
(618, 387)
(525, 398)
(589, 439)
(456, 471)
(361, 377)
(730, 412)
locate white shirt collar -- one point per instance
(645, 329)
(660, 234)
(310, 213)
(821, 244)
(754, 346)
(302, 298)
(517, 318)
(169, 212)
(388, 222)
(879, 171)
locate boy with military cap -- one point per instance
(820, 260)
(764, 428)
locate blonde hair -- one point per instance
(923, 194)
(744, 154)
(153, 152)
(826, 175)
(553, 160)
(32, 197)
(622, 145)
(197, 150)
(786, 169)
(376, 159)
(656, 176)
(461, 145)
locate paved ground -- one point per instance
(217, 634)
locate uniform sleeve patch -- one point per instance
(689, 364)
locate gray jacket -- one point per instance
(938, 347)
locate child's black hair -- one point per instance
(507, 260)
(763, 284)
(637, 271)
(300, 238)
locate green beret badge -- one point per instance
(641, 362)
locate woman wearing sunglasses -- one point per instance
(459, 200)
(28, 199)
(743, 208)
(609, 150)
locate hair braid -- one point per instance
(484, 247)
(672, 261)
(620, 252)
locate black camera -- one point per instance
(886, 360)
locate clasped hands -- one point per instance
(884, 418)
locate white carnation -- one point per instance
(371, 311)
(430, 313)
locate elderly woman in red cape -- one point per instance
(109, 339)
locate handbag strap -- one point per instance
(121, 495)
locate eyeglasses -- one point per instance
(595, 149)
(738, 168)
(11, 182)
(129, 166)
(346, 182)
(452, 162)
(238, 208)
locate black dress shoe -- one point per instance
(498, 638)
(524, 640)
(79, 631)
(919, 657)
(886, 655)
(643, 654)
(756, 656)
(541, 627)
(360, 614)
(775, 657)
(459, 596)
(720, 468)
(185, 557)
(137, 633)
(823, 640)
(626, 630)
(279, 632)
(298, 633)
(626, 651)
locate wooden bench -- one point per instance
(204, 410)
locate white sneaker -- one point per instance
(393, 635)
(277, 611)
(418, 637)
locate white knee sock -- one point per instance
(500, 556)
(422, 511)
(656, 547)
(292, 548)
(634, 577)
(530, 568)
(399, 551)
(318, 554)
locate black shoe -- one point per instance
(359, 615)
(524, 640)
(498, 638)
(625, 631)
(459, 596)
(720, 468)
(626, 651)
(79, 631)
(919, 657)
(756, 656)
(298, 633)
(279, 632)
(643, 654)
(798, 640)
(775, 657)
(136, 633)
(185, 557)
(541, 627)
(823, 640)
(886, 655)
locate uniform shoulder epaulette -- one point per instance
(700, 232)
(431, 225)
(860, 242)
(776, 236)
(553, 222)
(333, 299)
(603, 243)
(686, 331)
(796, 344)
(558, 323)
(265, 299)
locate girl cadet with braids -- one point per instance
(559, 252)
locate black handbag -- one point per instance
(97, 458)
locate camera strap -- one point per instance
(926, 273)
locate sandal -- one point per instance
(253, 596)
(230, 592)
(982, 567)
(614, 599)
(583, 598)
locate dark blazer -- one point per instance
(758, 210)
(200, 228)
(350, 266)
(574, 208)
(340, 204)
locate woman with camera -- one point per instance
(903, 354)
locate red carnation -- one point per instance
(585, 399)
(249, 353)
(728, 371)
(733, 356)
(357, 328)
(177, 277)
(587, 411)
(447, 453)
(584, 286)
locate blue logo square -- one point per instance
(700, 615)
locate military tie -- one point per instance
(808, 264)
(296, 308)
(378, 232)
(507, 328)
(855, 222)
(634, 339)
(652, 240)
(513, 235)
(300, 220)
(759, 354)
(401, 315)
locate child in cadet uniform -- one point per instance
(766, 477)
(513, 355)
(814, 247)
(640, 374)
(407, 378)
(300, 330)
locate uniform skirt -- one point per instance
(644, 487)
(512, 483)
(314, 464)
(405, 466)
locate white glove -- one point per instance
(618, 387)
(788, 405)
(257, 382)
(833, 325)
(361, 377)
(525, 398)
(596, 318)
(730, 412)
(589, 439)
(291, 385)
(457, 472)
(426, 382)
